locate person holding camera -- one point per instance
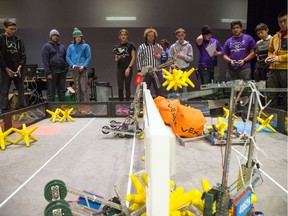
(125, 55)
(55, 66)
(12, 58)
(78, 57)
(238, 50)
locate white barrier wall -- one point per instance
(159, 144)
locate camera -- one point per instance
(268, 60)
(235, 63)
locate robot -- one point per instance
(130, 126)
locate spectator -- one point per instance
(182, 52)
(206, 62)
(261, 67)
(78, 57)
(149, 55)
(125, 55)
(277, 57)
(55, 66)
(238, 50)
(165, 54)
(12, 58)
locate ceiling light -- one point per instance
(231, 20)
(121, 18)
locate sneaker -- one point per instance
(119, 110)
(125, 110)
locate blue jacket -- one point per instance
(54, 57)
(78, 54)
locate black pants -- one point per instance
(121, 79)
(5, 86)
(149, 80)
(206, 74)
(261, 73)
(244, 74)
(277, 79)
(58, 81)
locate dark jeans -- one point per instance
(277, 79)
(261, 73)
(5, 86)
(58, 81)
(206, 74)
(149, 80)
(120, 81)
(236, 74)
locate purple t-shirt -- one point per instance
(238, 48)
(204, 58)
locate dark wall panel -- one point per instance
(36, 18)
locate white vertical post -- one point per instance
(158, 141)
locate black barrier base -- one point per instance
(32, 114)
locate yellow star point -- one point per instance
(221, 126)
(66, 114)
(25, 134)
(266, 124)
(4, 138)
(227, 113)
(54, 115)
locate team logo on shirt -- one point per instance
(121, 51)
(237, 46)
(11, 47)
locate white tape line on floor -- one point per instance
(35, 173)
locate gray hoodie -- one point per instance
(184, 49)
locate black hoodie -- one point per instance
(12, 52)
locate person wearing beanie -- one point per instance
(12, 59)
(77, 33)
(78, 57)
(54, 32)
(55, 66)
(207, 62)
(238, 50)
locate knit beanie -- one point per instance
(53, 32)
(77, 33)
(206, 30)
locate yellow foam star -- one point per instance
(185, 77)
(4, 138)
(66, 114)
(227, 113)
(54, 115)
(266, 124)
(25, 134)
(138, 199)
(173, 79)
(221, 126)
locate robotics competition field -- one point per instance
(79, 154)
